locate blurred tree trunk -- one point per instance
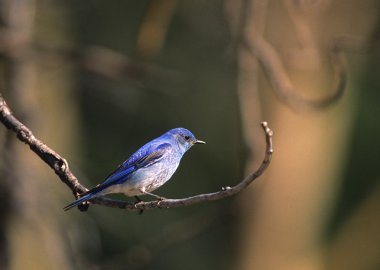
(284, 227)
(41, 97)
(357, 244)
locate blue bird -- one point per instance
(147, 169)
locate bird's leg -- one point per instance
(137, 201)
(153, 195)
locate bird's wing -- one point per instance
(144, 157)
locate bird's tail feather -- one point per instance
(79, 201)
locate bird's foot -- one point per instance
(138, 200)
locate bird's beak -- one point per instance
(199, 142)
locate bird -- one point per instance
(151, 166)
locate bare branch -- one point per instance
(61, 168)
(250, 39)
(54, 160)
(105, 62)
(99, 60)
(281, 83)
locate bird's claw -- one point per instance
(135, 205)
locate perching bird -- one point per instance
(147, 169)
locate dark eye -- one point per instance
(187, 137)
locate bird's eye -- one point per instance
(187, 137)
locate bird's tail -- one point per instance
(79, 201)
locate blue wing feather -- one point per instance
(142, 158)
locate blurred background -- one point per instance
(95, 80)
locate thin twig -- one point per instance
(61, 168)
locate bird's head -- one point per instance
(184, 138)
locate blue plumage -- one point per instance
(147, 169)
